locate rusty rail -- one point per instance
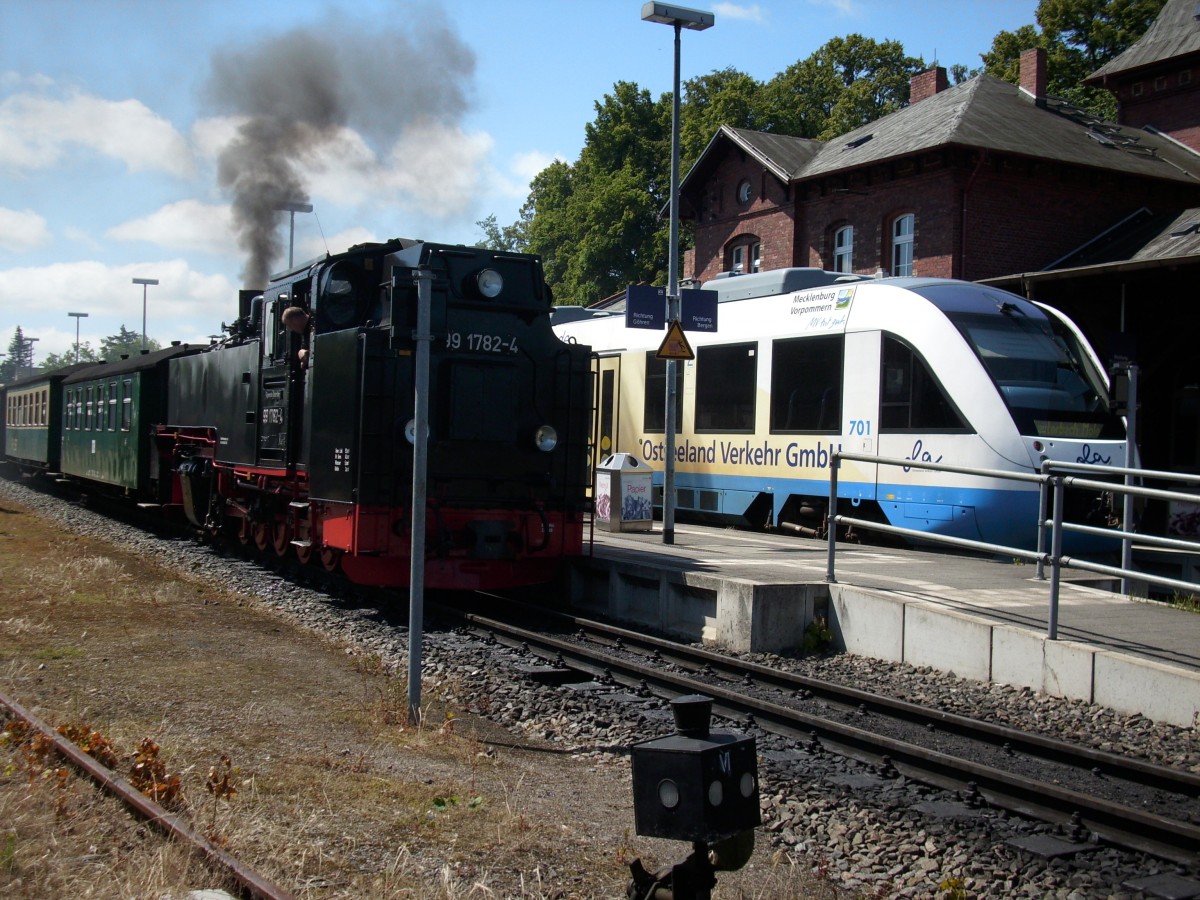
(252, 883)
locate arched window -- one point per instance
(903, 229)
(744, 255)
(843, 249)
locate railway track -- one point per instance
(1092, 796)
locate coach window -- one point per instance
(654, 405)
(903, 229)
(126, 404)
(806, 384)
(910, 397)
(112, 406)
(89, 410)
(725, 387)
(843, 249)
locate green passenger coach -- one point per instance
(33, 417)
(107, 414)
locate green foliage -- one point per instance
(125, 343)
(67, 357)
(846, 83)
(1079, 36)
(817, 637)
(18, 362)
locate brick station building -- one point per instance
(988, 181)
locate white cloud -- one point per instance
(527, 166)
(438, 168)
(312, 247)
(751, 13)
(185, 305)
(36, 130)
(183, 225)
(22, 230)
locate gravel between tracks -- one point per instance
(522, 796)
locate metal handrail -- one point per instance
(1050, 479)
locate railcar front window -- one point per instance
(1043, 374)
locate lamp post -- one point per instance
(77, 316)
(293, 208)
(144, 282)
(694, 20)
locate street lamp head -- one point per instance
(670, 14)
(78, 315)
(294, 207)
(145, 281)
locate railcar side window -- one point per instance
(910, 397)
(87, 419)
(126, 404)
(654, 407)
(806, 384)
(725, 387)
(112, 406)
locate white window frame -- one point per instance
(843, 249)
(903, 229)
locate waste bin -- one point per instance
(624, 494)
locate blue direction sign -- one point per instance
(645, 307)
(698, 310)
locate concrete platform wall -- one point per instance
(728, 612)
(871, 623)
(771, 618)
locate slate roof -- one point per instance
(984, 113)
(781, 154)
(1176, 32)
(1142, 236)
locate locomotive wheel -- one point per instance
(304, 554)
(331, 558)
(262, 535)
(243, 534)
(281, 538)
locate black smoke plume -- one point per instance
(299, 88)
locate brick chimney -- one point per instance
(926, 84)
(1033, 74)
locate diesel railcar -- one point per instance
(807, 362)
(312, 453)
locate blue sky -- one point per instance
(114, 115)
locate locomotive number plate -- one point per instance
(481, 343)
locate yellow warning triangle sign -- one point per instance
(675, 345)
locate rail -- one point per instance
(1052, 482)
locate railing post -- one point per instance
(831, 515)
(1055, 558)
(1043, 497)
(1127, 499)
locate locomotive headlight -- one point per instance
(490, 283)
(546, 438)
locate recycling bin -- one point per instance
(624, 494)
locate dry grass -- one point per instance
(291, 753)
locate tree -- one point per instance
(125, 343)
(846, 83)
(67, 358)
(599, 223)
(507, 239)
(18, 363)
(1079, 36)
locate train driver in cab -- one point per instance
(296, 321)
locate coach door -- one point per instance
(608, 389)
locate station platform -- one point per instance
(978, 617)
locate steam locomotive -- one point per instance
(302, 443)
